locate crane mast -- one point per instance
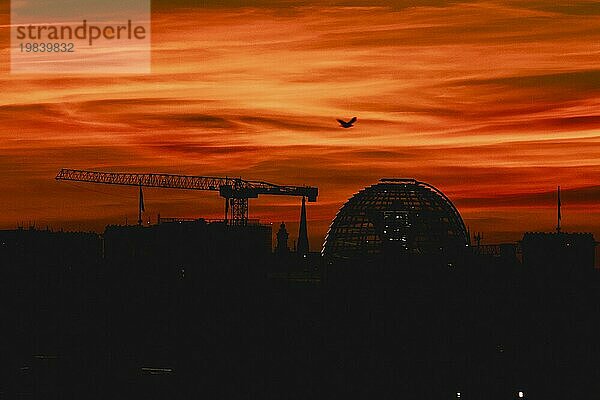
(236, 191)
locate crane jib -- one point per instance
(227, 187)
(236, 191)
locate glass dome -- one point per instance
(396, 217)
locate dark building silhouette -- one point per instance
(282, 247)
(558, 253)
(396, 217)
(190, 245)
(302, 247)
(504, 253)
(34, 247)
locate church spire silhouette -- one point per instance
(303, 233)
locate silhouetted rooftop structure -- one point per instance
(47, 248)
(396, 217)
(558, 252)
(282, 247)
(184, 246)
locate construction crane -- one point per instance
(236, 191)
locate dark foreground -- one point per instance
(420, 332)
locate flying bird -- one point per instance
(347, 124)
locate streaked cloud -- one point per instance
(495, 103)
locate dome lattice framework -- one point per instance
(396, 216)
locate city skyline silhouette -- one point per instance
(302, 199)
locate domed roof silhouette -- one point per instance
(396, 217)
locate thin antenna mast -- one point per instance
(558, 212)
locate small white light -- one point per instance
(521, 395)
(458, 395)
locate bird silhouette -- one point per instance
(347, 124)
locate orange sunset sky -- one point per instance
(494, 103)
